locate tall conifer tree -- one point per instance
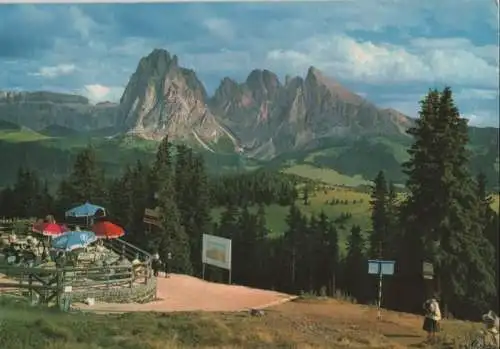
(442, 211)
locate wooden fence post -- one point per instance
(59, 286)
(30, 287)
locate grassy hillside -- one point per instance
(352, 201)
(306, 323)
(333, 161)
(52, 155)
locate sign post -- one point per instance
(216, 251)
(152, 216)
(380, 268)
(428, 270)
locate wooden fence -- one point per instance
(49, 284)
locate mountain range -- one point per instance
(312, 121)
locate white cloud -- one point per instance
(476, 93)
(220, 28)
(482, 118)
(474, 104)
(423, 61)
(55, 71)
(223, 61)
(82, 23)
(100, 93)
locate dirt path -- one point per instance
(399, 328)
(311, 321)
(186, 293)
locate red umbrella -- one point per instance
(49, 229)
(105, 229)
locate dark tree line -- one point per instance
(260, 187)
(444, 217)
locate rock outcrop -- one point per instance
(163, 99)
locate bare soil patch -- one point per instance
(186, 293)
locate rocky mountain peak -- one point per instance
(163, 98)
(317, 79)
(262, 79)
(159, 61)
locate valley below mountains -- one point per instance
(310, 122)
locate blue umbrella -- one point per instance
(85, 210)
(73, 240)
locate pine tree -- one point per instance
(490, 226)
(244, 242)
(261, 252)
(171, 237)
(355, 265)
(27, 194)
(441, 213)
(293, 238)
(140, 194)
(120, 199)
(162, 167)
(391, 247)
(46, 201)
(193, 200)
(228, 224)
(328, 255)
(380, 216)
(7, 199)
(311, 245)
(85, 182)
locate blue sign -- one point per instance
(378, 267)
(373, 267)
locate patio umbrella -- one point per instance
(49, 229)
(106, 229)
(85, 210)
(73, 240)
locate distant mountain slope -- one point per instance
(38, 110)
(58, 131)
(312, 120)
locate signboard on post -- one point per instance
(428, 270)
(152, 217)
(376, 267)
(380, 268)
(216, 251)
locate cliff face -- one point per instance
(39, 110)
(162, 99)
(270, 118)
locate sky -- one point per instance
(389, 51)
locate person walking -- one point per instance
(156, 264)
(432, 318)
(488, 338)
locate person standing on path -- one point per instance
(432, 318)
(488, 338)
(156, 264)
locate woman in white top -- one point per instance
(432, 318)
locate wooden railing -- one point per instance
(131, 252)
(50, 283)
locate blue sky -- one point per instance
(390, 51)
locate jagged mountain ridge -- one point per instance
(261, 116)
(270, 118)
(265, 116)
